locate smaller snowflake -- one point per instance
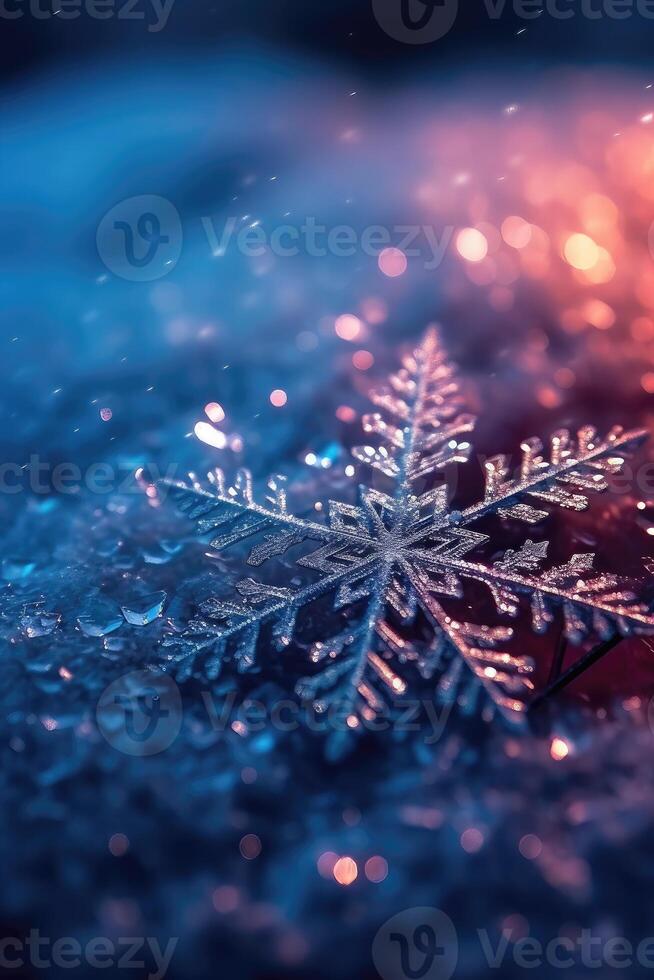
(402, 551)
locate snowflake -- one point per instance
(405, 551)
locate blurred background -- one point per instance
(509, 164)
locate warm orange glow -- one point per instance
(471, 245)
(345, 871)
(603, 270)
(581, 252)
(214, 412)
(347, 326)
(559, 749)
(598, 314)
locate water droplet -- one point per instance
(140, 612)
(100, 616)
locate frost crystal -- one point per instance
(403, 550)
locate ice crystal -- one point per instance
(404, 550)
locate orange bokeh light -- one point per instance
(581, 252)
(472, 245)
(346, 871)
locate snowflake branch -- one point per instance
(503, 676)
(538, 478)
(245, 620)
(423, 401)
(593, 595)
(221, 507)
(597, 596)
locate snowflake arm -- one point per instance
(420, 423)
(504, 677)
(600, 596)
(221, 621)
(235, 515)
(599, 601)
(574, 469)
